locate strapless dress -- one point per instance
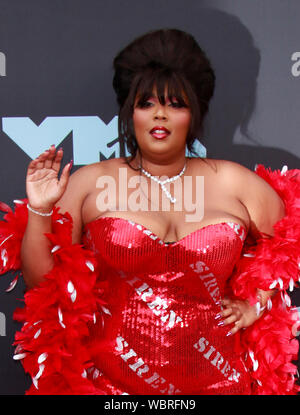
(159, 335)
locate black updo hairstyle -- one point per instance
(166, 58)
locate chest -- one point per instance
(126, 245)
(201, 200)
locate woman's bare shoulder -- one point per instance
(83, 181)
(262, 201)
(214, 165)
(226, 165)
(92, 171)
(244, 181)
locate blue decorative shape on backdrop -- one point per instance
(91, 136)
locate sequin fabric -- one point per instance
(162, 336)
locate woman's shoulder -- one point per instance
(244, 180)
(261, 200)
(228, 166)
(222, 167)
(231, 170)
(95, 170)
(83, 181)
(81, 184)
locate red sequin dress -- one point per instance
(162, 336)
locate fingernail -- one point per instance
(229, 333)
(71, 164)
(218, 316)
(219, 302)
(221, 323)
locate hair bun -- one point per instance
(163, 58)
(164, 50)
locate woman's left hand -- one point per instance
(237, 312)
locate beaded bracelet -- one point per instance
(259, 308)
(38, 213)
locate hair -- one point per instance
(169, 60)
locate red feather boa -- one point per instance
(273, 262)
(60, 313)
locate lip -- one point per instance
(161, 135)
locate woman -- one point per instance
(163, 317)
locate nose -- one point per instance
(160, 112)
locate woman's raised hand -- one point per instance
(43, 186)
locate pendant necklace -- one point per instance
(163, 182)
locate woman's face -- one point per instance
(161, 129)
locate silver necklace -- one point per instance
(163, 182)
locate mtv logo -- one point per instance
(91, 136)
(93, 140)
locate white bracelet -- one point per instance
(38, 213)
(259, 308)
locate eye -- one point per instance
(177, 104)
(147, 104)
(144, 104)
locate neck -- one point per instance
(156, 167)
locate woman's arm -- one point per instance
(265, 208)
(45, 191)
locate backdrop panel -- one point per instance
(56, 88)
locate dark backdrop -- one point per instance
(56, 88)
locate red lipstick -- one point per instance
(160, 133)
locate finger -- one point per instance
(32, 165)
(224, 313)
(237, 326)
(45, 159)
(57, 159)
(41, 162)
(222, 316)
(50, 157)
(233, 318)
(226, 301)
(65, 175)
(38, 162)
